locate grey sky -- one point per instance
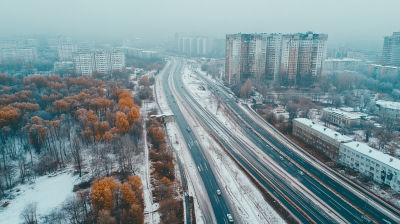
(342, 19)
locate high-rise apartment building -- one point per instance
(84, 63)
(244, 57)
(285, 58)
(102, 61)
(391, 50)
(66, 51)
(195, 46)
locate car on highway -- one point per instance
(280, 157)
(365, 219)
(300, 172)
(218, 192)
(230, 219)
(188, 129)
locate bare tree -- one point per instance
(29, 213)
(292, 110)
(76, 151)
(246, 89)
(368, 129)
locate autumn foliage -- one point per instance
(121, 201)
(171, 209)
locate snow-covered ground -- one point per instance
(245, 197)
(48, 192)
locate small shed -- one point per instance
(164, 118)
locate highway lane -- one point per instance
(335, 202)
(278, 180)
(218, 203)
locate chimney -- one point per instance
(370, 150)
(357, 144)
(391, 159)
(324, 129)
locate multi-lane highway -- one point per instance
(219, 206)
(341, 206)
(265, 173)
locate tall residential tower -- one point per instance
(289, 59)
(391, 50)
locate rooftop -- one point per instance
(324, 130)
(343, 59)
(345, 114)
(373, 153)
(388, 104)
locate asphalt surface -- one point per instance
(218, 203)
(341, 206)
(277, 179)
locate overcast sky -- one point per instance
(342, 20)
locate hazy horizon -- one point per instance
(361, 21)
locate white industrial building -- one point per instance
(389, 109)
(342, 118)
(381, 167)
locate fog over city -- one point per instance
(207, 111)
(356, 20)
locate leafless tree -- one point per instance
(29, 213)
(76, 151)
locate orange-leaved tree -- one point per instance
(122, 123)
(102, 194)
(133, 114)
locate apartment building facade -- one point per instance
(381, 167)
(102, 61)
(195, 46)
(66, 51)
(321, 138)
(342, 118)
(378, 71)
(245, 57)
(391, 50)
(25, 55)
(290, 59)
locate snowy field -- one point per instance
(48, 191)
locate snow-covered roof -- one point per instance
(388, 104)
(347, 109)
(324, 130)
(163, 115)
(343, 59)
(374, 154)
(341, 113)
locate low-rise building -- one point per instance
(389, 109)
(381, 167)
(342, 118)
(64, 66)
(319, 137)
